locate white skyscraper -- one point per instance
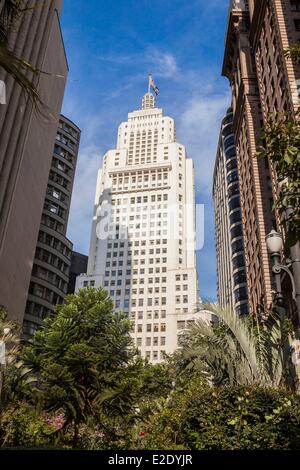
(142, 246)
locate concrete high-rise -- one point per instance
(263, 81)
(26, 146)
(142, 248)
(232, 285)
(52, 261)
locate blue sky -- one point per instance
(111, 46)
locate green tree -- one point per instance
(282, 147)
(85, 364)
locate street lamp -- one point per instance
(275, 245)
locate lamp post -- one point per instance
(275, 245)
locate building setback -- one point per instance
(142, 248)
(26, 146)
(263, 81)
(52, 261)
(232, 285)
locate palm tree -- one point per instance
(237, 351)
(16, 67)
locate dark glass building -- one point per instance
(232, 283)
(79, 264)
(51, 268)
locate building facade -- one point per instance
(52, 261)
(231, 271)
(253, 171)
(263, 81)
(142, 248)
(26, 146)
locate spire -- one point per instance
(148, 101)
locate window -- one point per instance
(295, 5)
(181, 325)
(235, 217)
(238, 261)
(240, 294)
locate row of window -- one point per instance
(134, 281)
(120, 244)
(37, 310)
(56, 178)
(156, 314)
(50, 258)
(52, 223)
(155, 327)
(63, 153)
(57, 194)
(155, 355)
(142, 199)
(133, 292)
(64, 140)
(53, 242)
(142, 252)
(45, 294)
(49, 276)
(55, 209)
(68, 129)
(156, 341)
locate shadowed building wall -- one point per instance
(26, 146)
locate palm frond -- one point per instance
(18, 68)
(236, 352)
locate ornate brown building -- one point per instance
(263, 81)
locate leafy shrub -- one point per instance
(23, 426)
(228, 418)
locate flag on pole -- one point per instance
(153, 86)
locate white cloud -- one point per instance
(89, 161)
(164, 64)
(198, 128)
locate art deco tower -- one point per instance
(142, 246)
